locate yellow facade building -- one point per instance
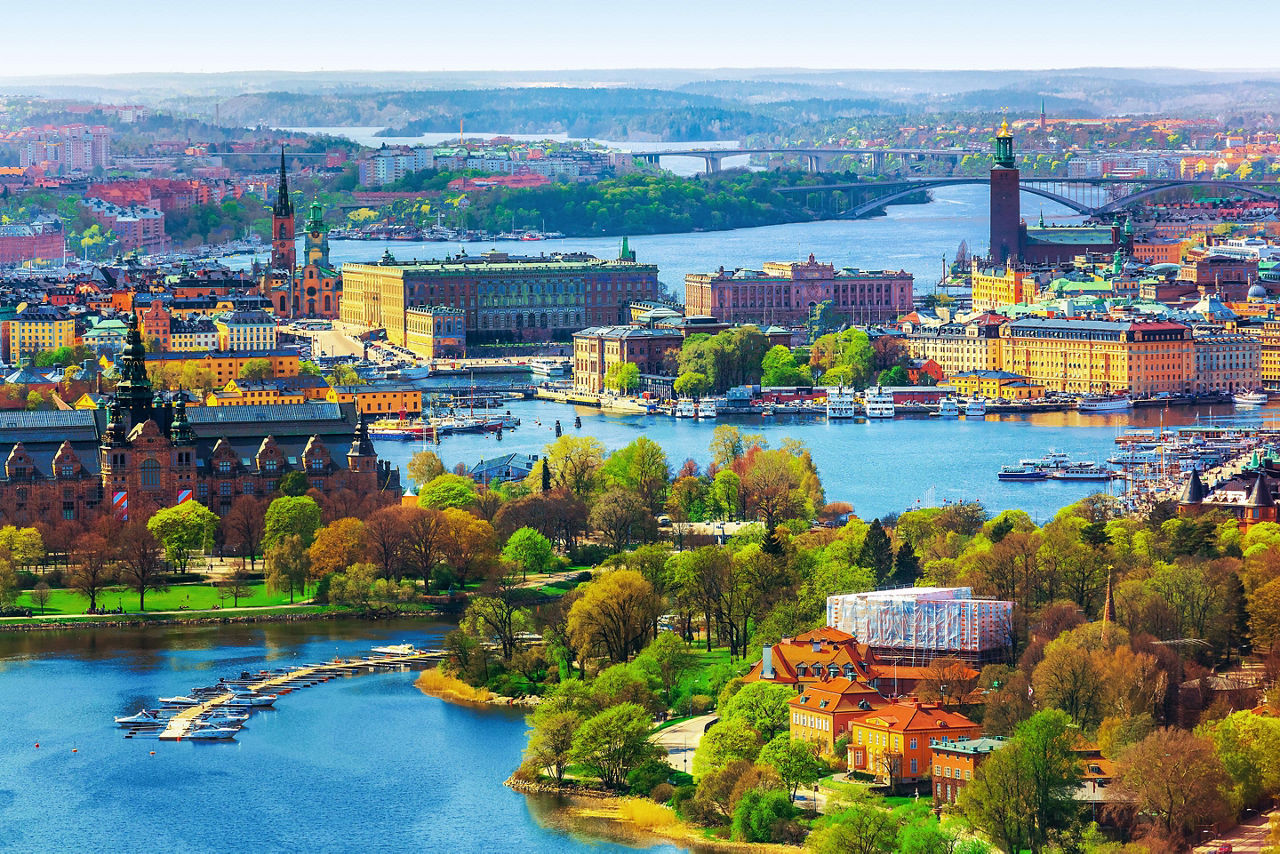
(994, 288)
(38, 328)
(1269, 338)
(379, 400)
(995, 384)
(958, 347)
(246, 330)
(1100, 356)
(247, 393)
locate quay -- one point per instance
(181, 724)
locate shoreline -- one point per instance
(610, 808)
(436, 683)
(126, 621)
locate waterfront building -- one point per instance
(1226, 360)
(436, 331)
(957, 347)
(598, 348)
(142, 453)
(268, 392)
(505, 298)
(223, 365)
(955, 761)
(246, 329)
(994, 384)
(786, 293)
(380, 399)
(1100, 356)
(1268, 335)
(37, 328)
(822, 711)
(895, 743)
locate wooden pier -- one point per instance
(181, 724)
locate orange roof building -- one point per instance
(815, 656)
(821, 712)
(895, 743)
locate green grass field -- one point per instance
(196, 597)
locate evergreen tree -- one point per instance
(877, 552)
(546, 476)
(906, 566)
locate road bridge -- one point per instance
(815, 159)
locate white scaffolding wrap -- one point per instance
(925, 618)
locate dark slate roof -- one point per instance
(1193, 492)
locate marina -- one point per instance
(217, 712)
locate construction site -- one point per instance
(915, 625)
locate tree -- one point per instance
(40, 595)
(613, 614)
(1174, 777)
(1072, 679)
(424, 466)
(287, 563)
(727, 741)
(609, 744)
(297, 515)
(877, 552)
(668, 658)
(93, 570)
(641, 466)
(337, 546)
(551, 741)
(354, 587)
(575, 461)
(621, 517)
(447, 490)
(947, 680)
(763, 706)
(691, 384)
(779, 368)
(138, 564)
(237, 586)
(761, 816)
(386, 533)
(862, 828)
(530, 550)
(243, 527)
(895, 376)
(1024, 792)
(499, 617)
(467, 544)
(622, 377)
(256, 370)
(795, 760)
(294, 484)
(1264, 615)
(183, 529)
(774, 486)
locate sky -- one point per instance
(77, 37)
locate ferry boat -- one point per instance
(948, 408)
(548, 368)
(1082, 471)
(706, 408)
(1104, 403)
(1021, 473)
(976, 408)
(686, 408)
(840, 403)
(879, 403)
(1257, 397)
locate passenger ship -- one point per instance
(686, 408)
(840, 403)
(879, 403)
(1104, 403)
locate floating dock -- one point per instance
(183, 722)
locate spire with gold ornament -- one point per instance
(1004, 146)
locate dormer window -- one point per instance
(224, 466)
(802, 670)
(270, 465)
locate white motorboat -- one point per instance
(224, 719)
(948, 408)
(1257, 397)
(251, 700)
(879, 403)
(144, 718)
(840, 403)
(976, 408)
(686, 408)
(1104, 403)
(396, 649)
(213, 733)
(707, 408)
(180, 701)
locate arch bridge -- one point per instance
(1088, 196)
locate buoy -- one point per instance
(153, 753)
(73, 750)
(37, 745)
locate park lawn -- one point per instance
(196, 597)
(697, 680)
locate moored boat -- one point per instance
(976, 408)
(1257, 397)
(707, 408)
(144, 718)
(686, 408)
(213, 733)
(878, 403)
(1021, 473)
(948, 408)
(1104, 403)
(840, 403)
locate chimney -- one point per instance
(766, 666)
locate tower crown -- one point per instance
(1004, 146)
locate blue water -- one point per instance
(879, 467)
(365, 763)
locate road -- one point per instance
(1247, 838)
(681, 740)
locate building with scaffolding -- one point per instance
(918, 624)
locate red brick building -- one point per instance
(39, 241)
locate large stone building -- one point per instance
(1226, 361)
(785, 293)
(1100, 356)
(142, 453)
(506, 298)
(973, 345)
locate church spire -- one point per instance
(283, 206)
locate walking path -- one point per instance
(681, 740)
(1247, 838)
